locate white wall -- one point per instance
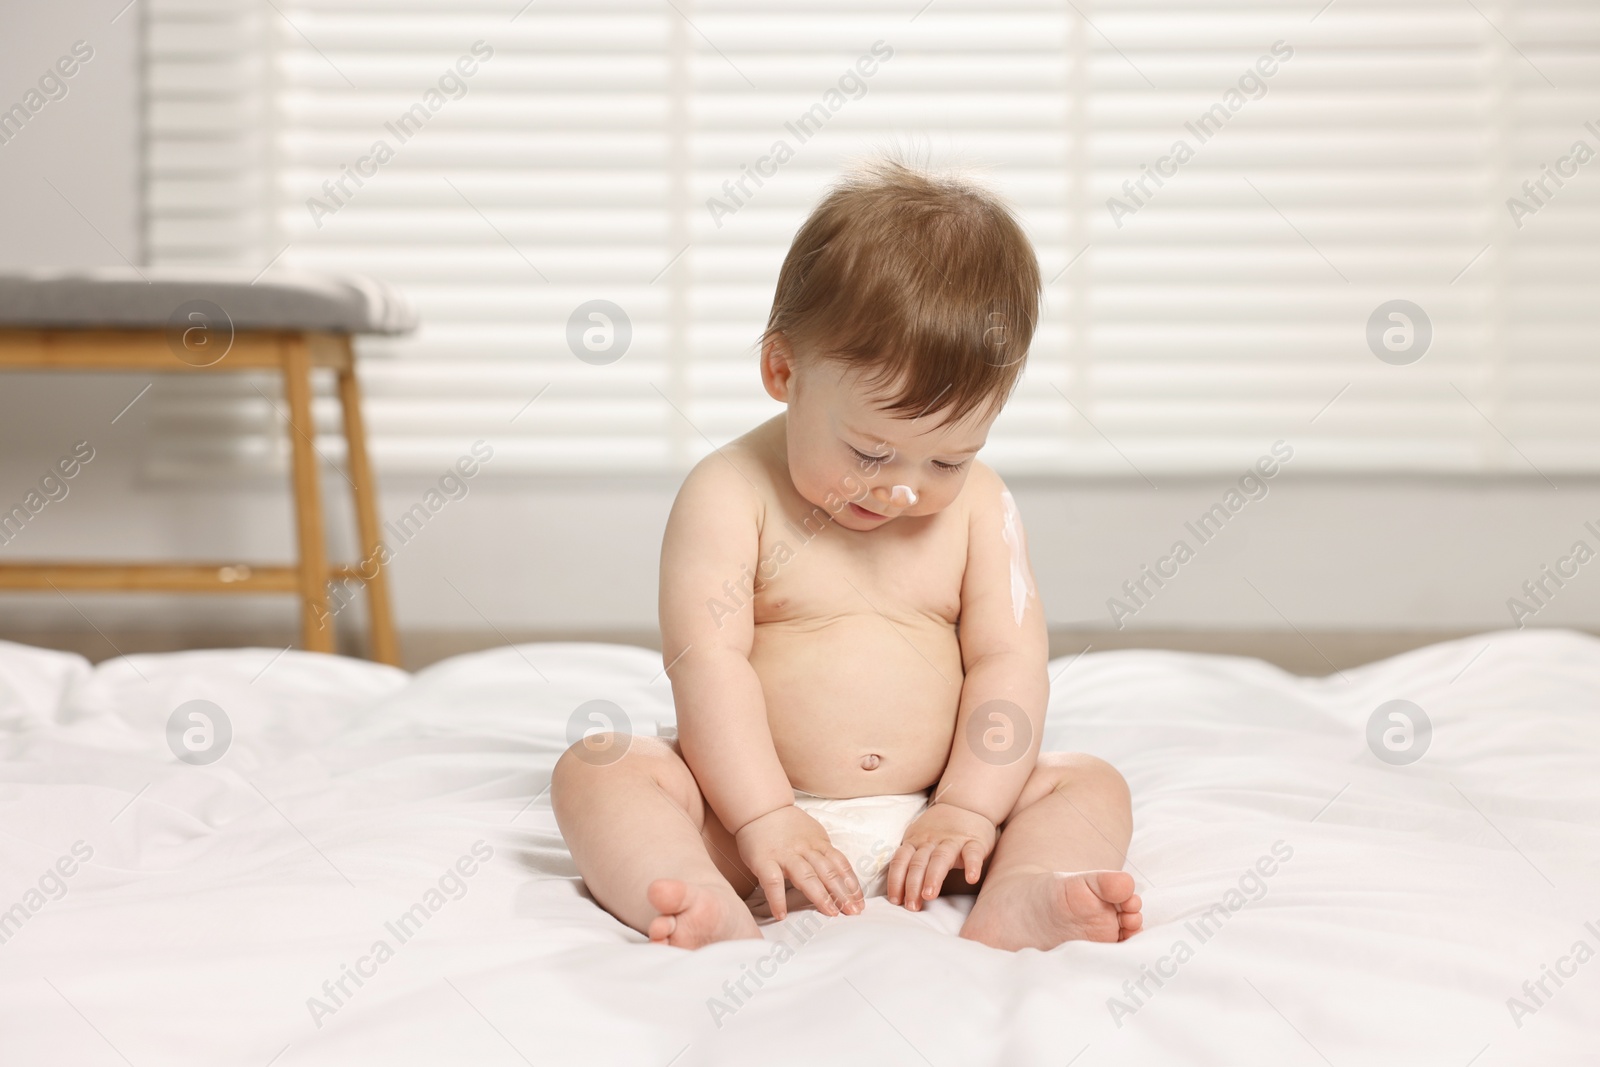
(531, 554)
(547, 554)
(85, 143)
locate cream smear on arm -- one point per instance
(1021, 581)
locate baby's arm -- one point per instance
(1004, 652)
(713, 537)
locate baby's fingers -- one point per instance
(770, 875)
(944, 856)
(972, 861)
(805, 879)
(841, 880)
(897, 873)
(915, 874)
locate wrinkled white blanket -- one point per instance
(370, 874)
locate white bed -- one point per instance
(218, 899)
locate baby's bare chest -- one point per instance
(810, 569)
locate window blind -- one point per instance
(1201, 301)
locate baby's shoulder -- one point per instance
(984, 492)
(733, 479)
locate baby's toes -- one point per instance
(1130, 923)
(661, 928)
(1113, 887)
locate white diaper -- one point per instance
(866, 829)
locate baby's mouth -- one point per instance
(863, 513)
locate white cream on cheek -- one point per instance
(1011, 530)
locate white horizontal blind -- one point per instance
(1185, 328)
(1549, 268)
(209, 103)
(1373, 164)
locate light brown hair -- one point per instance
(926, 282)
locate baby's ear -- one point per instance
(777, 366)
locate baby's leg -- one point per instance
(649, 849)
(1056, 874)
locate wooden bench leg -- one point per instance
(384, 646)
(316, 625)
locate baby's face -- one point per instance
(843, 447)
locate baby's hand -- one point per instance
(932, 844)
(790, 842)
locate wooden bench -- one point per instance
(144, 320)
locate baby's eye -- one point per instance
(863, 457)
(949, 466)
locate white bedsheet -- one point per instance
(220, 898)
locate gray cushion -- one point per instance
(152, 296)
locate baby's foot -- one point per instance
(1041, 910)
(694, 915)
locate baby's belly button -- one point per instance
(862, 768)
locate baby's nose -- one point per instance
(899, 496)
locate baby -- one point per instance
(849, 620)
